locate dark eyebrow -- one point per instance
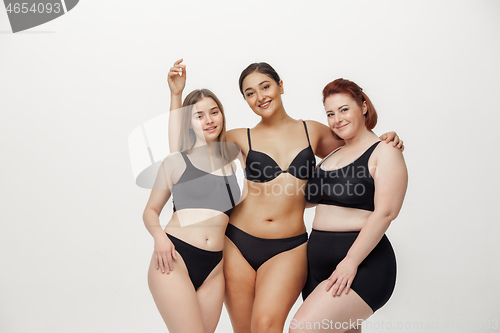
(340, 107)
(259, 85)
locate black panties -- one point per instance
(257, 250)
(200, 263)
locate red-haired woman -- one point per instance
(359, 189)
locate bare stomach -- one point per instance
(206, 233)
(336, 218)
(272, 210)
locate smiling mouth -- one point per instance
(341, 127)
(211, 129)
(264, 105)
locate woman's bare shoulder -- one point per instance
(236, 135)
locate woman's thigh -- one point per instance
(322, 312)
(210, 298)
(240, 288)
(279, 283)
(176, 298)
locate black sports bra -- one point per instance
(261, 167)
(351, 186)
(199, 189)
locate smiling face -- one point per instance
(207, 120)
(345, 117)
(262, 94)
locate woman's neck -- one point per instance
(278, 118)
(363, 136)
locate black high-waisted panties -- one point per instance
(257, 250)
(200, 263)
(376, 276)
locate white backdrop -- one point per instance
(73, 248)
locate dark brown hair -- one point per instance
(260, 67)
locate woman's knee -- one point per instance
(265, 323)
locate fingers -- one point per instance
(171, 74)
(165, 261)
(395, 141)
(330, 283)
(170, 263)
(160, 264)
(401, 145)
(178, 61)
(388, 137)
(176, 70)
(339, 286)
(348, 286)
(174, 254)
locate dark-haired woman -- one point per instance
(359, 189)
(185, 274)
(265, 250)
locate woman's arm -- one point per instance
(164, 250)
(391, 179)
(322, 135)
(176, 82)
(326, 142)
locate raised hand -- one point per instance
(177, 78)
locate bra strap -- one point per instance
(366, 155)
(249, 142)
(186, 159)
(228, 187)
(307, 134)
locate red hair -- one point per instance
(343, 86)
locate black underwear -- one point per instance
(376, 276)
(200, 263)
(257, 250)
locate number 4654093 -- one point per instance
(35, 8)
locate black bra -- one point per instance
(261, 167)
(351, 186)
(199, 189)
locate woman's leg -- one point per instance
(176, 298)
(279, 283)
(240, 288)
(210, 298)
(321, 312)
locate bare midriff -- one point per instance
(336, 218)
(273, 209)
(207, 233)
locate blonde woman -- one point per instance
(185, 275)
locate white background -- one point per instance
(73, 249)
